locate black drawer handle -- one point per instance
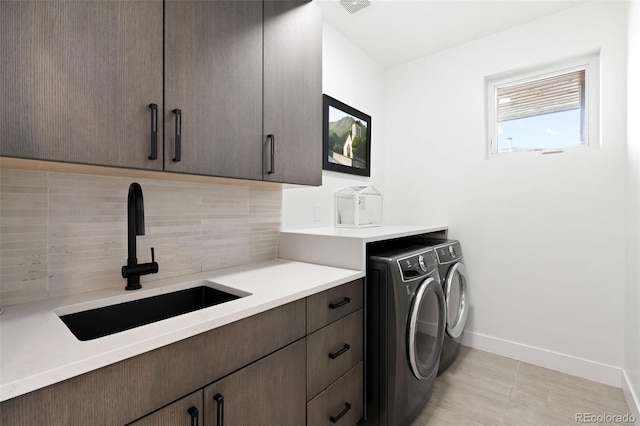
(335, 419)
(335, 355)
(177, 156)
(220, 415)
(340, 303)
(193, 412)
(154, 131)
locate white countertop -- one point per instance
(344, 247)
(38, 350)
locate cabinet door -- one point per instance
(292, 92)
(78, 78)
(184, 412)
(268, 392)
(213, 75)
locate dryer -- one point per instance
(405, 326)
(455, 285)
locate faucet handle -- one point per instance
(153, 266)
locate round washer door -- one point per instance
(455, 294)
(426, 327)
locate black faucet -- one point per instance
(135, 221)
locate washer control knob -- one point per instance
(421, 262)
(452, 251)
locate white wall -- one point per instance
(632, 289)
(543, 235)
(353, 78)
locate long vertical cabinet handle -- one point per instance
(219, 399)
(154, 131)
(272, 143)
(177, 155)
(193, 412)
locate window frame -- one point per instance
(589, 63)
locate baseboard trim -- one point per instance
(591, 370)
(633, 401)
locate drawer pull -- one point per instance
(345, 348)
(335, 419)
(193, 412)
(340, 303)
(220, 415)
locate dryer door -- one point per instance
(426, 329)
(455, 294)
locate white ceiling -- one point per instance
(395, 31)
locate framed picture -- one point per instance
(346, 138)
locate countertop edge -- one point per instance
(368, 235)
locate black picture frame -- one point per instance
(346, 121)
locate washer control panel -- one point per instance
(418, 265)
(449, 253)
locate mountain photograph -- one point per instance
(347, 140)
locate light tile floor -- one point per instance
(490, 390)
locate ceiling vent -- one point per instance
(354, 6)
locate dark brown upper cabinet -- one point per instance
(213, 88)
(292, 92)
(242, 85)
(77, 81)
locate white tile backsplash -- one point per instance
(63, 233)
(23, 236)
(265, 219)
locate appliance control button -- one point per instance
(421, 262)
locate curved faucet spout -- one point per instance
(135, 210)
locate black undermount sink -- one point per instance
(100, 322)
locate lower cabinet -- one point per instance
(149, 383)
(335, 391)
(264, 370)
(268, 392)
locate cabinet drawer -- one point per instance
(332, 351)
(186, 411)
(344, 396)
(330, 305)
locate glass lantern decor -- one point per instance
(358, 207)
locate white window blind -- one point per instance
(558, 93)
